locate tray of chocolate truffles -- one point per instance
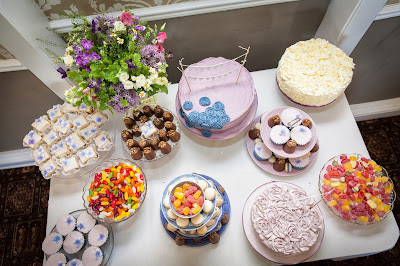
(151, 133)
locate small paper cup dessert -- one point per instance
(173, 199)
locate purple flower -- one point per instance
(62, 72)
(87, 45)
(130, 64)
(136, 17)
(150, 56)
(122, 94)
(95, 84)
(170, 56)
(140, 27)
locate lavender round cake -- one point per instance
(283, 220)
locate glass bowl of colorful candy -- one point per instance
(114, 191)
(357, 189)
(187, 199)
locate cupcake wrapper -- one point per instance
(299, 168)
(258, 157)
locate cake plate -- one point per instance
(106, 248)
(225, 208)
(232, 132)
(263, 250)
(267, 166)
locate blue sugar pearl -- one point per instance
(210, 111)
(225, 119)
(204, 101)
(181, 113)
(188, 105)
(206, 133)
(218, 106)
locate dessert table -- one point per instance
(142, 240)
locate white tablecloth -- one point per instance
(141, 240)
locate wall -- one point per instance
(377, 59)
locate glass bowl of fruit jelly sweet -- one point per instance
(114, 191)
(357, 189)
(186, 199)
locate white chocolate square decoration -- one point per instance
(103, 141)
(55, 112)
(51, 137)
(89, 132)
(84, 108)
(41, 124)
(41, 154)
(60, 149)
(48, 168)
(98, 117)
(69, 164)
(63, 125)
(86, 154)
(148, 129)
(74, 142)
(80, 122)
(32, 139)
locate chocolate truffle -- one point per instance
(180, 241)
(149, 153)
(167, 116)
(290, 146)
(213, 237)
(162, 135)
(147, 111)
(132, 143)
(315, 148)
(165, 148)
(174, 136)
(136, 131)
(129, 122)
(225, 219)
(137, 114)
(125, 135)
(158, 111)
(307, 123)
(158, 123)
(279, 165)
(169, 126)
(254, 133)
(273, 121)
(136, 153)
(143, 144)
(154, 143)
(143, 119)
(221, 189)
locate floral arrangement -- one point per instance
(117, 63)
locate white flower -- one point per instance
(113, 34)
(134, 32)
(152, 71)
(128, 85)
(68, 60)
(142, 94)
(147, 86)
(119, 26)
(140, 81)
(120, 41)
(123, 76)
(133, 78)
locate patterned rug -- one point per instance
(24, 196)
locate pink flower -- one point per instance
(85, 90)
(126, 18)
(161, 37)
(159, 47)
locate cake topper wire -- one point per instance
(243, 62)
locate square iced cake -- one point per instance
(41, 154)
(83, 108)
(69, 164)
(63, 125)
(48, 168)
(74, 142)
(60, 149)
(69, 108)
(41, 124)
(148, 129)
(51, 137)
(32, 139)
(55, 112)
(103, 141)
(86, 154)
(80, 122)
(89, 132)
(98, 117)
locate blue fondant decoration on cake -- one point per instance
(204, 101)
(206, 133)
(57, 238)
(218, 106)
(181, 113)
(188, 105)
(78, 243)
(210, 111)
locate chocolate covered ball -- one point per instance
(147, 111)
(254, 133)
(158, 123)
(197, 240)
(125, 135)
(149, 153)
(279, 165)
(180, 241)
(315, 148)
(164, 147)
(158, 111)
(214, 237)
(143, 144)
(307, 123)
(129, 122)
(132, 143)
(154, 143)
(162, 135)
(143, 119)
(136, 131)
(169, 126)
(136, 153)
(273, 121)
(221, 189)
(167, 116)
(136, 115)
(174, 136)
(225, 219)
(290, 146)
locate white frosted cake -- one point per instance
(283, 220)
(314, 72)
